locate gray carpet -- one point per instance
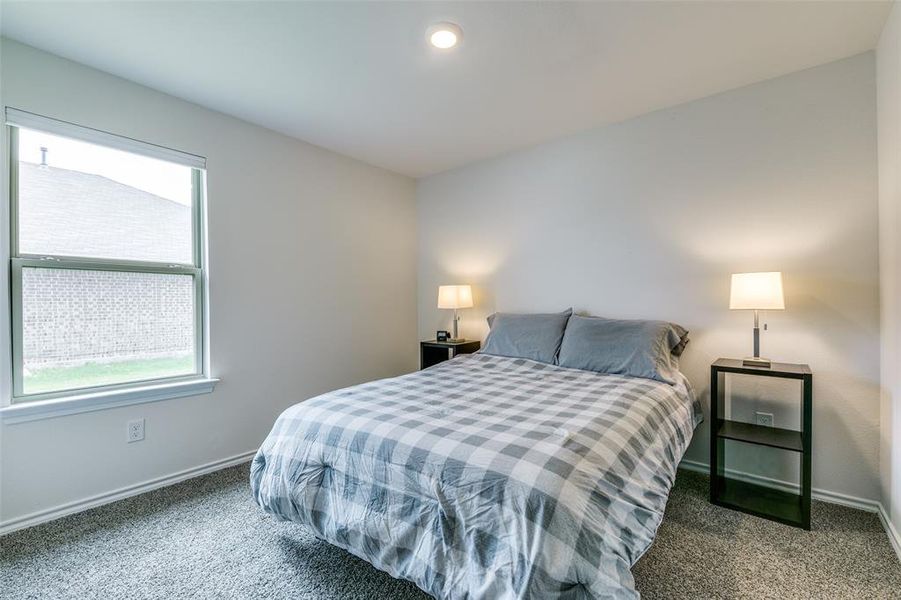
(205, 538)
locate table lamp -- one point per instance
(757, 291)
(455, 297)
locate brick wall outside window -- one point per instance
(72, 317)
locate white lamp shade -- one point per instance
(757, 291)
(454, 296)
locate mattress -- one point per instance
(484, 476)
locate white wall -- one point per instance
(888, 60)
(649, 217)
(312, 270)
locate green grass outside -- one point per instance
(91, 374)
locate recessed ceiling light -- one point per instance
(445, 35)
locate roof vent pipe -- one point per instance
(44, 156)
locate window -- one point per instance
(107, 260)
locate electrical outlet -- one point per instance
(134, 431)
(765, 419)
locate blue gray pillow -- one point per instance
(636, 348)
(535, 336)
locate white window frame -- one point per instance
(24, 406)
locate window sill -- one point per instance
(71, 405)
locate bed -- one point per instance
(485, 476)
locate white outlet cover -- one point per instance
(134, 431)
(763, 418)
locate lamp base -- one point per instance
(456, 340)
(756, 361)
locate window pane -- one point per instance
(87, 328)
(79, 199)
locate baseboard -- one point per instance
(44, 516)
(787, 486)
(817, 493)
(893, 535)
(50, 514)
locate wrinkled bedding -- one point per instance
(484, 476)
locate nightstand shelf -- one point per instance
(774, 437)
(737, 494)
(433, 352)
(765, 502)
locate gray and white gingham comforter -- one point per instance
(484, 477)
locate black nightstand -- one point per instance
(433, 352)
(769, 503)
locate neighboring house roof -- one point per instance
(72, 213)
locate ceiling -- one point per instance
(360, 79)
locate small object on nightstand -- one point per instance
(442, 336)
(433, 352)
(757, 291)
(769, 503)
